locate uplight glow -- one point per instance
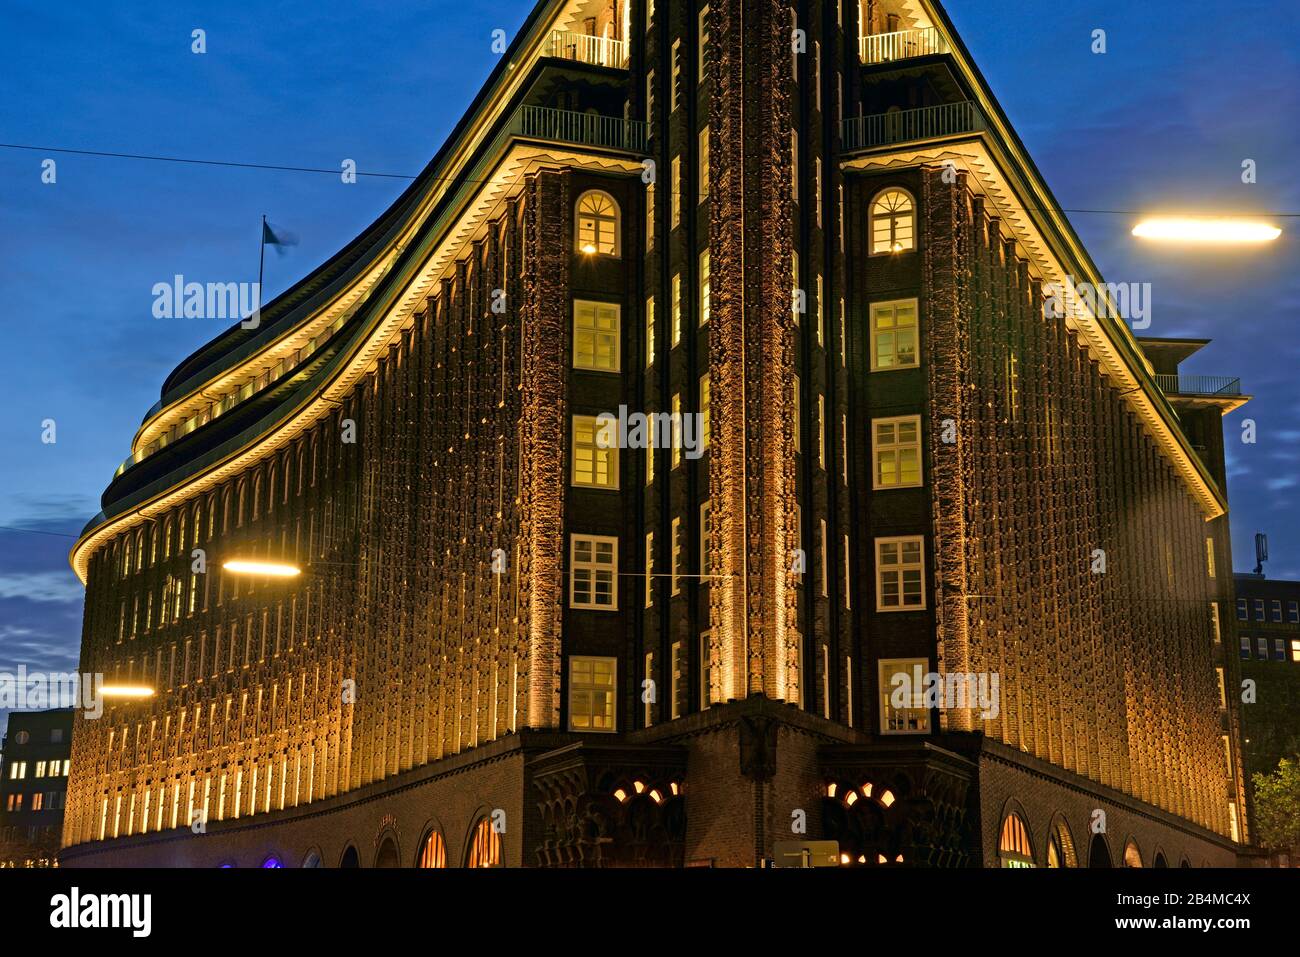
(271, 569)
(1186, 229)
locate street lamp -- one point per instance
(126, 691)
(268, 569)
(1206, 230)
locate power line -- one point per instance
(335, 172)
(35, 531)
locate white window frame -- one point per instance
(675, 556)
(706, 286)
(885, 669)
(577, 444)
(596, 333)
(900, 568)
(649, 331)
(702, 39)
(675, 200)
(895, 446)
(593, 688)
(892, 305)
(595, 568)
(873, 216)
(677, 75)
(616, 220)
(649, 569)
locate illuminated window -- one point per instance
(1214, 622)
(485, 846)
(705, 530)
(794, 165)
(649, 569)
(704, 412)
(1209, 567)
(675, 560)
(17, 770)
(703, 185)
(591, 694)
(1223, 690)
(650, 331)
(38, 801)
(1132, 856)
(900, 574)
(650, 215)
(593, 563)
(595, 453)
(675, 199)
(893, 222)
(678, 679)
(1060, 847)
(595, 336)
(703, 44)
(1014, 849)
(704, 287)
(677, 308)
(1295, 649)
(597, 223)
(893, 335)
(675, 420)
(821, 431)
(896, 452)
(40, 769)
(677, 75)
(794, 402)
(651, 444)
(647, 701)
(1013, 386)
(706, 669)
(902, 696)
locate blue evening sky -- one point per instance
(1185, 92)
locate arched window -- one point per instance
(1060, 847)
(1098, 852)
(893, 222)
(484, 846)
(1013, 845)
(350, 858)
(597, 224)
(434, 851)
(1132, 856)
(388, 855)
(312, 859)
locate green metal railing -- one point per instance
(1208, 385)
(905, 126)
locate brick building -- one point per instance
(808, 240)
(34, 765)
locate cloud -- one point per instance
(41, 586)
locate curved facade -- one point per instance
(547, 649)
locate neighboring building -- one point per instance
(1268, 627)
(512, 644)
(34, 762)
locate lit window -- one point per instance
(1214, 623)
(677, 308)
(821, 431)
(648, 700)
(677, 75)
(896, 452)
(1223, 690)
(1295, 649)
(794, 165)
(17, 770)
(434, 851)
(595, 336)
(485, 846)
(893, 335)
(1060, 847)
(597, 224)
(704, 287)
(678, 680)
(675, 560)
(650, 215)
(595, 453)
(593, 562)
(704, 166)
(794, 402)
(704, 412)
(40, 769)
(706, 670)
(703, 44)
(651, 445)
(650, 331)
(900, 574)
(675, 200)
(1209, 567)
(1014, 849)
(649, 569)
(893, 222)
(675, 421)
(591, 694)
(902, 696)
(1132, 856)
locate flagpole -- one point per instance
(261, 261)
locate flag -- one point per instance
(279, 239)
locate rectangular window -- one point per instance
(677, 75)
(900, 573)
(651, 445)
(1223, 689)
(821, 325)
(705, 289)
(1277, 610)
(596, 336)
(1227, 753)
(797, 301)
(1295, 649)
(1259, 609)
(679, 680)
(1013, 386)
(647, 705)
(896, 452)
(821, 431)
(675, 561)
(703, 39)
(817, 191)
(40, 769)
(1293, 612)
(893, 335)
(706, 670)
(1245, 647)
(703, 188)
(1214, 623)
(704, 413)
(649, 95)
(675, 199)
(676, 425)
(826, 682)
(591, 694)
(677, 308)
(649, 331)
(649, 569)
(595, 453)
(1261, 648)
(593, 564)
(794, 165)
(817, 78)
(705, 530)
(1209, 557)
(1243, 613)
(902, 696)
(650, 216)
(848, 575)
(824, 561)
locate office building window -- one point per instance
(1243, 613)
(647, 698)
(677, 309)
(649, 331)
(593, 565)
(1295, 649)
(597, 223)
(893, 335)
(902, 696)
(1293, 612)
(675, 199)
(1261, 648)
(675, 558)
(591, 694)
(649, 569)
(896, 452)
(706, 670)
(678, 679)
(703, 185)
(1245, 646)
(1259, 609)
(1279, 649)
(704, 413)
(673, 92)
(705, 529)
(893, 222)
(596, 336)
(900, 574)
(1209, 556)
(1277, 610)
(703, 39)
(705, 287)
(594, 453)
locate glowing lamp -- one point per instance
(1206, 229)
(268, 569)
(126, 691)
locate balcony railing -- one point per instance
(901, 45)
(570, 126)
(598, 51)
(1198, 385)
(903, 126)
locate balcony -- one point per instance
(570, 126)
(582, 48)
(901, 45)
(1209, 386)
(907, 126)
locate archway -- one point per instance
(350, 857)
(433, 852)
(1160, 860)
(1098, 852)
(387, 855)
(484, 845)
